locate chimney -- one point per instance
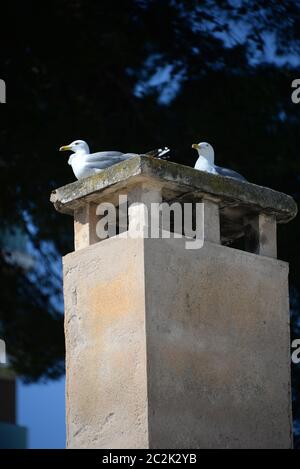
(169, 346)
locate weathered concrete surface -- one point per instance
(264, 228)
(176, 181)
(218, 348)
(171, 348)
(85, 221)
(105, 346)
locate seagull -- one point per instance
(86, 164)
(205, 162)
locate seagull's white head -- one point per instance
(78, 146)
(205, 150)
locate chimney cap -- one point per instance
(176, 181)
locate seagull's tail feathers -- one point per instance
(159, 153)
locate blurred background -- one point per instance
(126, 75)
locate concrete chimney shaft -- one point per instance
(169, 347)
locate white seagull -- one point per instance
(206, 162)
(86, 164)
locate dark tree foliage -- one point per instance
(131, 75)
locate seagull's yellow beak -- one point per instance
(65, 148)
(196, 146)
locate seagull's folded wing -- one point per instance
(105, 159)
(103, 155)
(229, 173)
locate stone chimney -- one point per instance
(169, 347)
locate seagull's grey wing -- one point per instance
(102, 155)
(106, 159)
(126, 156)
(229, 173)
(111, 160)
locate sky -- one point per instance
(41, 408)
